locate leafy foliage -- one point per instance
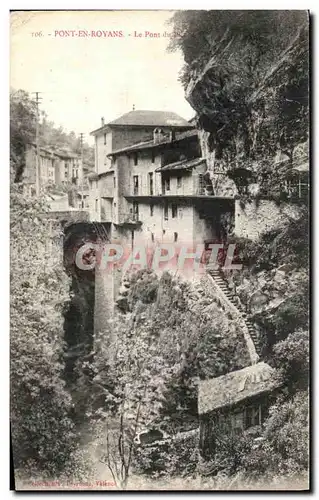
(41, 408)
(22, 129)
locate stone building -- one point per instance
(150, 186)
(151, 181)
(233, 403)
(55, 167)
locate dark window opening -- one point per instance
(151, 183)
(175, 237)
(179, 181)
(253, 416)
(135, 158)
(166, 211)
(167, 184)
(135, 210)
(151, 209)
(104, 139)
(152, 237)
(174, 211)
(135, 184)
(114, 181)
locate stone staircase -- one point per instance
(220, 281)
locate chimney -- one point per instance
(102, 121)
(158, 135)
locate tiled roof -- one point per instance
(182, 164)
(147, 118)
(151, 119)
(236, 386)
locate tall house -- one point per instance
(151, 182)
(55, 167)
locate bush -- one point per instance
(176, 457)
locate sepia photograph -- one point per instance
(159, 250)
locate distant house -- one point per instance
(55, 168)
(233, 403)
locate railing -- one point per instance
(130, 218)
(296, 190)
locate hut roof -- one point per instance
(235, 387)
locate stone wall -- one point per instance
(258, 216)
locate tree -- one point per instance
(167, 335)
(131, 374)
(41, 409)
(22, 129)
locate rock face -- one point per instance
(247, 123)
(254, 136)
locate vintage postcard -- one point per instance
(159, 187)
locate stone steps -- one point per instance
(233, 298)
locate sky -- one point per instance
(82, 77)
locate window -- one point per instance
(135, 184)
(174, 210)
(179, 182)
(151, 209)
(104, 139)
(167, 184)
(201, 184)
(96, 205)
(237, 422)
(114, 181)
(151, 183)
(135, 158)
(253, 416)
(175, 237)
(152, 234)
(135, 210)
(166, 211)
